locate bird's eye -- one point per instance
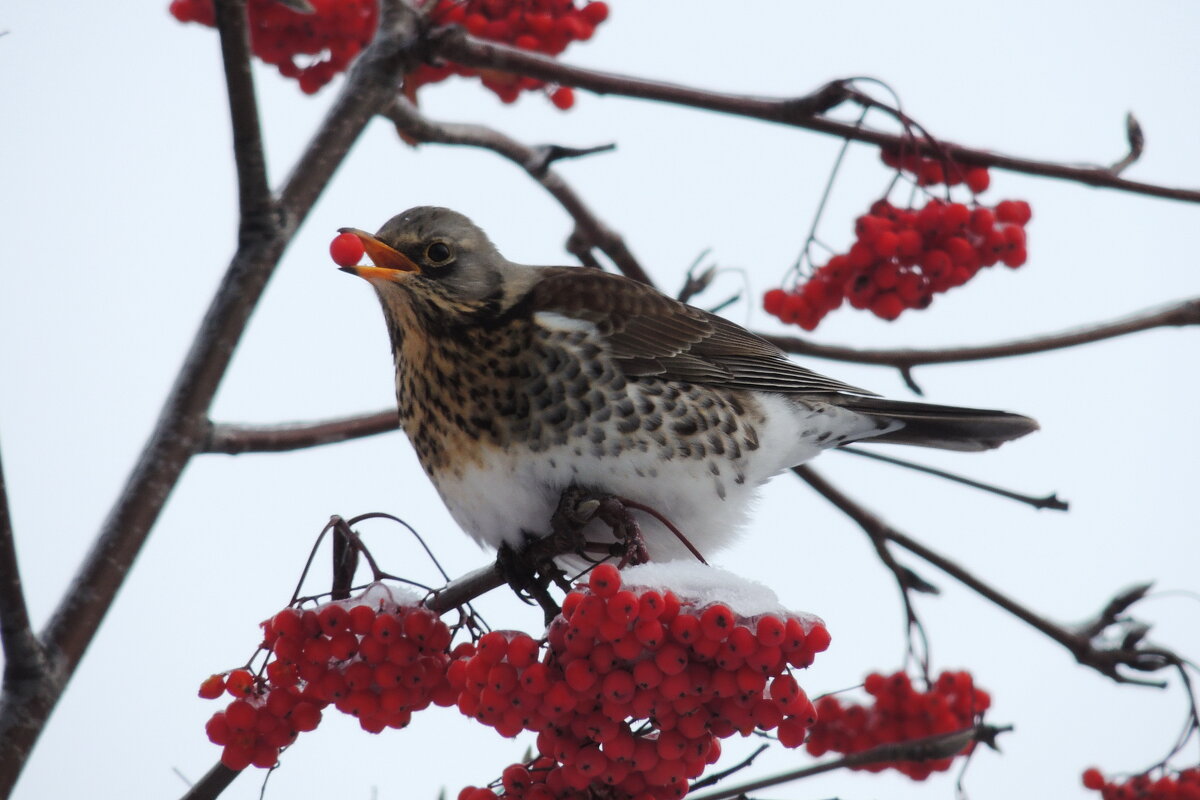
(438, 253)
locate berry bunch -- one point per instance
(636, 687)
(1183, 785)
(543, 26)
(902, 257)
(326, 40)
(378, 657)
(899, 713)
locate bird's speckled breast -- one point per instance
(526, 386)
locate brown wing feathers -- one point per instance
(651, 334)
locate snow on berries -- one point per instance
(1171, 785)
(899, 713)
(310, 48)
(542, 26)
(346, 249)
(379, 657)
(902, 257)
(636, 683)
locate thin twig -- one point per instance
(1080, 642)
(806, 111)
(237, 439)
(534, 161)
(717, 777)
(941, 745)
(1049, 501)
(1186, 312)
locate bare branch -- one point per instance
(22, 652)
(182, 426)
(806, 111)
(238, 439)
(215, 781)
(256, 206)
(1183, 313)
(942, 745)
(1050, 501)
(1081, 643)
(535, 161)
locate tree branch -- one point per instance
(255, 203)
(535, 161)
(942, 745)
(238, 439)
(182, 426)
(1081, 644)
(22, 652)
(455, 44)
(1183, 313)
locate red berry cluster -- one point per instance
(902, 257)
(899, 713)
(543, 26)
(1183, 785)
(327, 39)
(370, 657)
(636, 688)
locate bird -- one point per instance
(516, 382)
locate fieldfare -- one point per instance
(516, 382)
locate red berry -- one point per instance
(605, 580)
(978, 179)
(239, 683)
(212, 687)
(1093, 779)
(563, 97)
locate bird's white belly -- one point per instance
(512, 492)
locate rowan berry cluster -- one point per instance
(310, 48)
(1182, 785)
(372, 657)
(902, 257)
(635, 689)
(543, 26)
(898, 713)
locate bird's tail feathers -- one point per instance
(944, 427)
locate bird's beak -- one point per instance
(388, 260)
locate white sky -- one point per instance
(118, 219)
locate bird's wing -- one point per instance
(650, 334)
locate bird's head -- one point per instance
(434, 261)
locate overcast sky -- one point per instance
(118, 215)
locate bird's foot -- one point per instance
(578, 506)
(530, 574)
(614, 512)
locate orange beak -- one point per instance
(388, 260)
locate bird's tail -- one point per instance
(945, 427)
